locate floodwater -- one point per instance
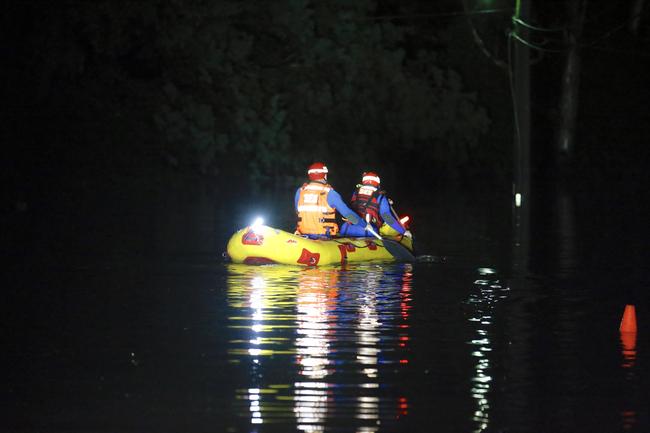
(513, 327)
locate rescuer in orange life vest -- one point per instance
(372, 205)
(316, 203)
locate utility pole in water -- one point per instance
(520, 70)
(570, 85)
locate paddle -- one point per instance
(396, 249)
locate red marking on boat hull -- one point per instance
(308, 258)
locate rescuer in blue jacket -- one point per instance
(369, 202)
(316, 204)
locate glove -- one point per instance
(408, 234)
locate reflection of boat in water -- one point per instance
(259, 244)
(318, 343)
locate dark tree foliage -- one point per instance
(231, 87)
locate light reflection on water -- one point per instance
(333, 332)
(628, 350)
(488, 291)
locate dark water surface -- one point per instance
(508, 334)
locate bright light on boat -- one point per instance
(257, 224)
(518, 200)
(404, 220)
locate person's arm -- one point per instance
(295, 199)
(334, 199)
(387, 215)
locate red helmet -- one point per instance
(317, 171)
(371, 178)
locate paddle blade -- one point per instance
(399, 251)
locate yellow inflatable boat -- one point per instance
(259, 244)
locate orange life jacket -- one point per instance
(315, 215)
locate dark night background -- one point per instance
(139, 134)
(110, 105)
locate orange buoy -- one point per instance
(628, 322)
